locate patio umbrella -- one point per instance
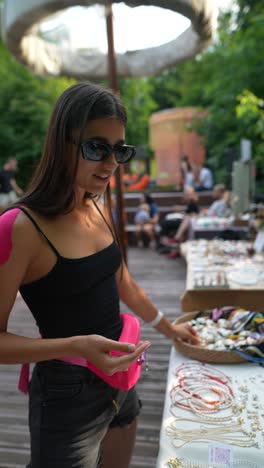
(20, 35)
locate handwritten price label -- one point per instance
(220, 454)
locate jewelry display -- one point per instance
(193, 374)
(201, 398)
(233, 435)
(181, 463)
(247, 277)
(219, 264)
(210, 279)
(193, 367)
(231, 328)
(216, 411)
(213, 415)
(208, 420)
(220, 251)
(185, 463)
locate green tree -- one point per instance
(250, 115)
(215, 78)
(26, 103)
(165, 88)
(136, 95)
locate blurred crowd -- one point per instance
(175, 227)
(150, 228)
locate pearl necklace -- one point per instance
(201, 389)
(204, 434)
(197, 369)
(197, 396)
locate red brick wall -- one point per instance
(170, 140)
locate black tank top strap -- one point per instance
(38, 229)
(105, 220)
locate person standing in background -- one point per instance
(187, 173)
(9, 190)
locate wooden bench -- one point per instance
(167, 202)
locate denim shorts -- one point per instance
(70, 411)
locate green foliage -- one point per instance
(214, 79)
(165, 89)
(26, 102)
(136, 95)
(226, 79)
(250, 114)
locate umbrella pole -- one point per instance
(119, 172)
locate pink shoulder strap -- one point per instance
(6, 225)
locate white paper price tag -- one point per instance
(220, 454)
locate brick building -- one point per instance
(171, 136)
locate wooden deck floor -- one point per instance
(163, 280)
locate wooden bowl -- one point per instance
(200, 353)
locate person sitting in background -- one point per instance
(205, 179)
(218, 209)
(9, 190)
(172, 221)
(220, 206)
(143, 214)
(192, 200)
(192, 209)
(187, 172)
(147, 232)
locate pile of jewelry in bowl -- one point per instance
(231, 328)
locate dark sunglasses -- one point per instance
(94, 150)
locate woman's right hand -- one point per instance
(96, 349)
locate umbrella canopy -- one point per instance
(20, 35)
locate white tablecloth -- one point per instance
(250, 374)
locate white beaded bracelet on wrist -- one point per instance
(157, 319)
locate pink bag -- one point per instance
(123, 380)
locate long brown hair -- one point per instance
(51, 190)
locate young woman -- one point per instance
(59, 248)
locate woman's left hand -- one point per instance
(185, 332)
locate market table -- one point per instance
(248, 376)
(239, 232)
(211, 227)
(216, 279)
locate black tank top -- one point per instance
(78, 296)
